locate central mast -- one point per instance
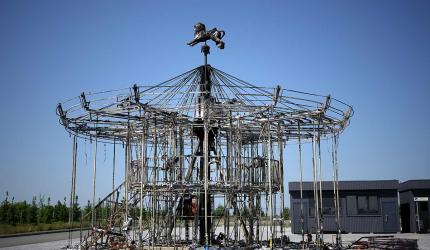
(203, 130)
(205, 140)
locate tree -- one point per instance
(286, 213)
(219, 211)
(4, 209)
(41, 200)
(244, 212)
(61, 212)
(27, 214)
(11, 213)
(76, 210)
(45, 214)
(33, 211)
(87, 208)
(20, 210)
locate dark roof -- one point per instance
(414, 184)
(348, 185)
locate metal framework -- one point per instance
(198, 140)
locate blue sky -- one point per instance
(374, 55)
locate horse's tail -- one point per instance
(222, 33)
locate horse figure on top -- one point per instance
(201, 35)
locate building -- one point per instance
(414, 206)
(365, 207)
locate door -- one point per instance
(423, 211)
(390, 217)
(296, 217)
(405, 214)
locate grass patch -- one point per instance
(263, 222)
(26, 228)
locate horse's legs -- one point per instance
(218, 42)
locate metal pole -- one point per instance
(206, 166)
(113, 173)
(127, 155)
(269, 156)
(229, 149)
(142, 163)
(418, 216)
(320, 183)
(72, 189)
(339, 231)
(93, 212)
(315, 176)
(181, 154)
(335, 198)
(281, 167)
(154, 199)
(302, 219)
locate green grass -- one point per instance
(26, 228)
(263, 222)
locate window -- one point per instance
(424, 207)
(361, 204)
(311, 208)
(373, 205)
(367, 205)
(327, 207)
(351, 205)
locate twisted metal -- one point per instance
(240, 154)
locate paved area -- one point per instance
(52, 245)
(29, 241)
(423, 239)
(59, 241)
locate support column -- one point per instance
(281, 168)
(72, 189)
(93, 212)
(269, 156)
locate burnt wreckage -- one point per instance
(201, 139)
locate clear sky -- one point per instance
(374, 55)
